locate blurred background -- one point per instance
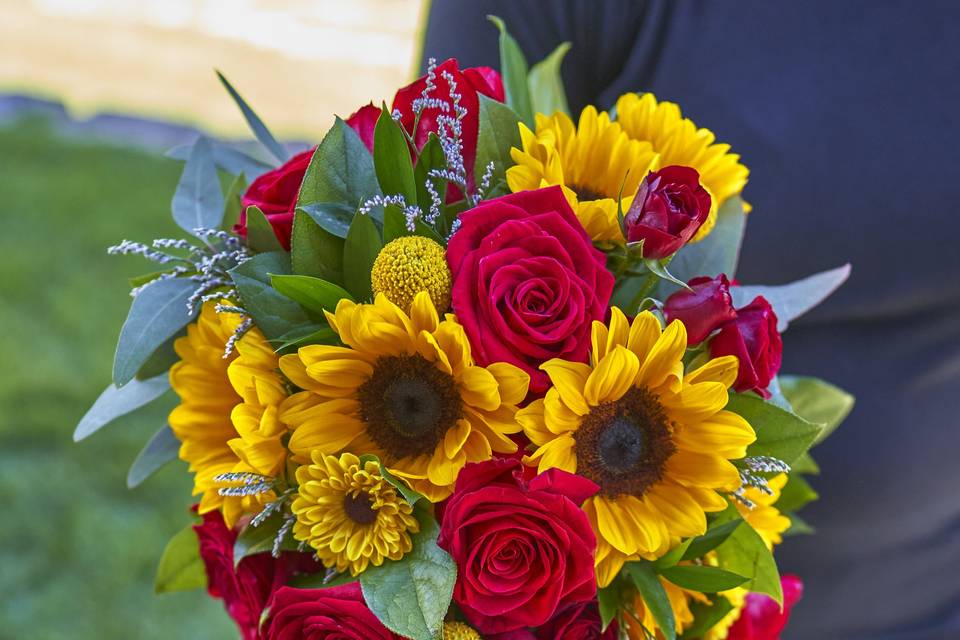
(92, 93)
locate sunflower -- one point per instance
(678, 141)
(350, 514)
(404, 388)
(656, 441)
(227, 417)
(594, 162)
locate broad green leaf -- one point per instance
(714, 537)
(806, 464)
(315, 251)
(361, 249)
(181, 568)
(391, 158)
(332, 217)
(145, 278)
(673, 556)
(273, 313)
(499, 131)
(313, 294)
(790, 301)
(229, 159)
(547, 94)
(260, 235)
(161, 449)
(232, 203)
(608, 599)
(253, 540)
(817, 401)
(394, 226)
(256, 124)
(745, 553)
(795, 494)
(702, 578)
(780, 433)
(198, 200)
(340, 171)
(431, 157)
(162, 358)
(654, 596)
(158, 312)
(706, 616)
(310, 334)
(115, 402)
(513, 70)
(411, 596)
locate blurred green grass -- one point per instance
(77, 549)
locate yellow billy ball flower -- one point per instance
(350, 514)
(408, 265)
(459, 631)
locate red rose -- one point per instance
(334, 613)
(753, 337)
(527, 281)
(762, 618)
(523, 550)
(578, 622)
(246, 588)
(703, 309)
(469, 84)
(669, 208)
(275, 192)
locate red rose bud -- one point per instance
(670, 207)
(703, 309)
(762, 618)
(275, 193)
(527, 281)
(578, 622)
(753, 337)
(318, 614)
(523, 550)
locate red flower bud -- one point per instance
(703, 309)
(754, 339)
(762, 618)
(669, 209)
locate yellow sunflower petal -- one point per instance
(664, 362)
(723, 369)
(569, 378)
(703, 470)
(612, 377)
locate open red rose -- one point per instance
(703, 308)
(753, 337)
(334, 613)
(470, 83)
(523, 549)
(762, 618)
(669, 209)
(578, 622)
(527, 281)
(275, 192)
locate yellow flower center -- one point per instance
(459, 631)
(408, 265)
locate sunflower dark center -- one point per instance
(408, 405)
(624, 446)
(586, 193)
(359, 508)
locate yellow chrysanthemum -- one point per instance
(227, 417)
(459, 631)
(678, 141)
(594, 161)
(404, 388)
(656, 441)
(350, 514)
(408, 265)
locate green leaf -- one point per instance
(806, 464)
(313, 294)
(391, 158)
(498, 132)
(411, 596)
(260, 235)
(341, 170)
(115, 402)
(795, 494)
(162, 358)
(745, 553)
(332, 217)
(158, 312)
(431, 157)
(608, 599)
(655, 598)
(790, 301)
(312, 334)
(713, 538)
(232, 204)
(706, 616)
(256, 124)
(547, 94)
(273, 313)
(817, 401)
(315, 251)
(513, 70)
(227, 158)
(361, 249)
(659, 269)
(798, 526)
(253, 540)
(198, 200)
(780, 433)
(181, 568)
(702, 578)
(161, 449)
(673, 556)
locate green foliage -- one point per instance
(391, 158)
(790, 301)
(273, 313)
(340, 171)
(198, 200)
(310, 334)
(261, 539)
(232, 204)
(360, 251)
(228, 158)
(181, 568)
(115, 402)
(314, 251)
(259, 129)
(702, 578)
(498, 132)
(718, 532)
(744, 553)
(431, 157)
(313, 294)
(159, 450)
(780, 434)
(609, 599)
(644, 578)
(161, 359)
(260, 235)
(817, 401)
(546, 85)
(705, 616)
(513, 70)
(332, 217)
(795, 494)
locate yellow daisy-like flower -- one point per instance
(350, 514)
(227, 417)
(459, 631)
(594, 161)
(657, 441)
(404, 388)
(678, 141)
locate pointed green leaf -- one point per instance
(745, 553)
(431, 157)
(498, 132)
(795, 494)
(341, 170)
(332, 217)
(361, 249)
(513, 69)
(161, 449)
(272, 312)
(232, 204)
(817, 401)
(780, 434)
(181, 568)
(115, 402)
(391, 158)
(314, 251)
(227, 158)
(198, 200)
(703, 578)
(714, 537)
(260, 539)
(256, 124)
(311, 334)
(547, 94)
(706, 616)
(313, 294)
(654, 596)
(790, 301)
(260, 235)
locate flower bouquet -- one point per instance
(470, 369)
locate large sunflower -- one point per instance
(678, 141)
(594, 161)
(217, 393)
(404, 388)
(656, 441)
